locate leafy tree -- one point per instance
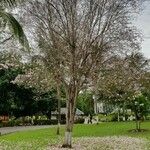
(7, 75)
(141, 107)
(38, 77)
(47, 102)
(19, 100)
(85, 103)
(122, 78)
(22, 99)
(24, 103)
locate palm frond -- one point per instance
(15, 27)
(9, 2)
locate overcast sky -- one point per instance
(143, 23)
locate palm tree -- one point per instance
(12, 22)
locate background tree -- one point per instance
(141, 107)
(47, 102)
(85, 103)
(24, 102)
(21, 99)
(121, 80)
(7, 75)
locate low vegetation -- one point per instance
(111, 132)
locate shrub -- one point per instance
(148, 117)
(18, 122)
(79, 120)
(107, 118)
(112, 117)
(11, 123)
(54, 122)
(42, 122)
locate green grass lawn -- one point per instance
(39, 139)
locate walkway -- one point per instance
(6, 130)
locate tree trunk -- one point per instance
(68, 136)
(23, 121)
(124, 112)
(59, 109)
(139, 125)
(137, 122)
(118, 114)
(69, 125)
(32, 121)
(49, 115)
(70, 117)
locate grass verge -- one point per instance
(41, 138)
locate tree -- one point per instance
(140, 106)
(121, 80)
(20, 100)
(47, 102)
(38, 77)
(85, 103)
(7, 75)
(24, 102)
(123, 75)
(7, 19)
(75, 38)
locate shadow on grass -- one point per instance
(138, 131)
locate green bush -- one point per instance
(79, 121)
(113, 117)
(102, 117)
(11, 123)
(47, 122)
(147, 117)
(107, 118)
(18, 122)
(42, 122)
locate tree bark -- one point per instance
(118, 114)
(139, 126)
(137, 122)
(70, 117)
(69, 126)
(124, 112)
(59, 109)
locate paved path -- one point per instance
(7, 130)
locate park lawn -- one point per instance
(41, 138)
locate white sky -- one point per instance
(143, 23)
